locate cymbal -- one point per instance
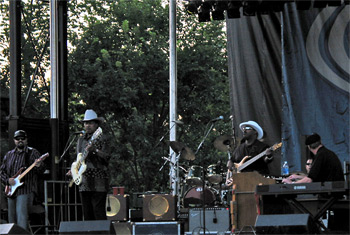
(223, 142)
(177, 146)
(186, 152)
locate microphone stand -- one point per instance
(203, 172)
(66, 148)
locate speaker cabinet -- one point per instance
(87, 227)
(159, 207)
(217, 219)
(117, 207)
(285, 224)
(164, 228)
(12, 229)
(122, 228)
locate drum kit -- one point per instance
(203, 185)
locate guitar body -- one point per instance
(10, 189)
(238, 165)
(78, 168)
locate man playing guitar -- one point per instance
(250, 147)
(90, 170)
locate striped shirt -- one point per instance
(13, 161)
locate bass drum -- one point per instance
(194, 197)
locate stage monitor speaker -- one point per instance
(217, 219)
(159, 207)
(285, 224)
(87, 227)
(164, 228)
(12, 229)
(117, 207)
(122, 228)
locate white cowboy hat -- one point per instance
(90, 115)
(253, 125)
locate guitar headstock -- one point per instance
(42, 158)
(276, 146)
(97, 134)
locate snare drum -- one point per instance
(193, 176)
(194, 196)
(213, 174)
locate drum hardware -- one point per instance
(193, 176)
(184, 151)
(213, 174)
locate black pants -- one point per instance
(94, 205)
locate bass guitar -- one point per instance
(243, 164)
(11, 189)
(79, 167)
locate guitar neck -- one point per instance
(26, 171)
(31, 166)
(247, 163)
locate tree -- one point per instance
(119, 67)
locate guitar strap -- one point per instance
(27, 155)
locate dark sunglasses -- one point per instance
(20, 138)
(308, 164)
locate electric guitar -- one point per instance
(243, 164)
(79, 167)
(10, 189)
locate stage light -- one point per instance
(250, 7)
(334, 3)
(320, 3)
(218, 10)
(303, 4)
(204, 12)
(192, 6)
(233, 9)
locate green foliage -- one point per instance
(119, 66)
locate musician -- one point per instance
(95, 180)
(252, 146)
(21, 156)
(297, 177)
(326, 164)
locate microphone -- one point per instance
(217, 119)
(179, 122)
(79, 132)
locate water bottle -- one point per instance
(285, 169)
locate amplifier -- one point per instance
(217, 219)
(164, 228)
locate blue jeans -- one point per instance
(18, 209)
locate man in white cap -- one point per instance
(95, 180)
(251, 146)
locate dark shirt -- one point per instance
(96, 176)
(13, 161)
(326, 166)
(251, 150)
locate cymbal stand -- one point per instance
(203, 192)
(175, 180)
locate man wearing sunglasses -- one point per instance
(297, 177)
(21, 156)
(252, 146)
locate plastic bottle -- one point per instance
(285, 168)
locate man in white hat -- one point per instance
(251, 146)
(95, 180)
